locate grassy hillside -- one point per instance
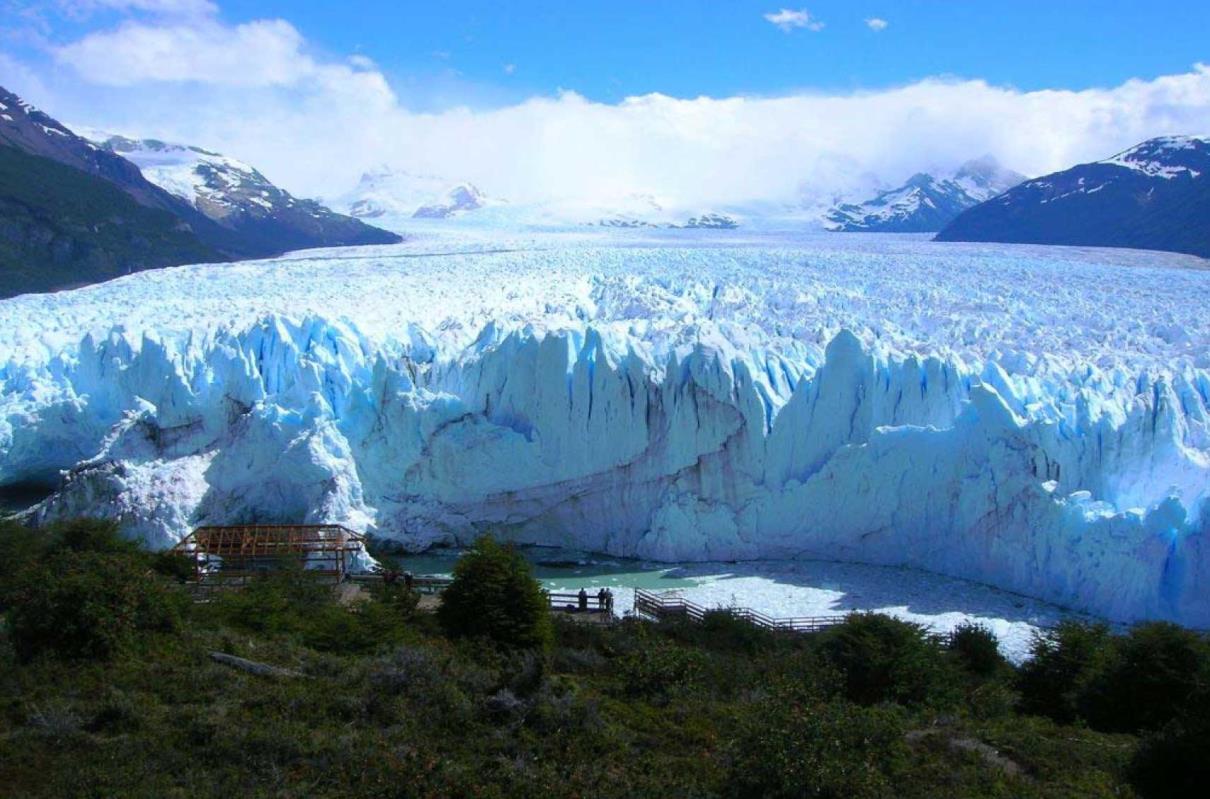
(60, 227)
(108, 688)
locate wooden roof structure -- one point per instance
(244, 550)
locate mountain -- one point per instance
(1155, 196)
(73, 212)
(240, 198)
(389, 192)
(62, 227)
(457, 201)
(924, 204)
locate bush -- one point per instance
(659, 670)
(87, 604)
(977, 649)
(494, 596)
(24, 547)
(1151, 677)
(882, 659)
(1172, 763)
(297, 603)
(1062, 664)
(788, 749)
(280, 602)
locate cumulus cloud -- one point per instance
(788, 20)
(257, 92)
(258, 53)
(876, 24)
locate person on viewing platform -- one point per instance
(583, 600)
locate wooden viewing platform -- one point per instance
(230, 555)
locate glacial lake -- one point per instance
(789, 588)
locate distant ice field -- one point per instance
(1031, 308)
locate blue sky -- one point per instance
(722, 98)
(607, 50)
(441, 53)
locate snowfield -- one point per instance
(1031, 418)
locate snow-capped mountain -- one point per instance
(458, 200)
(925, 203)
(399, 194)
(73, 213)
(239, 197)
(1155, 195)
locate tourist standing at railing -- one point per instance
(609, 601)
(583, 600)
(601, 600)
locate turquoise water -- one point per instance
(569, 570)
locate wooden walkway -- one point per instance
(652, 605)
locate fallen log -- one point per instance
(252, 667)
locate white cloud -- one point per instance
(876, 24)
(510, 69)
(788, 20)
(258, 53)
(166, 8)
(257, 92)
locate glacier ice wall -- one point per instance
(571, 438)
(674, 417)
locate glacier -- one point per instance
(1032, 418)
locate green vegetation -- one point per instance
(61, 227)
(107, 688)
(495, 596)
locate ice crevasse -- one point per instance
(1091, 494)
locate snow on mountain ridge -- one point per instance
(924, 203)
(217, 184)
(987, 415)
(1159, 157)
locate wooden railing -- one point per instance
(421, 585)
(559, 600)
(570, 600)
(662, 606)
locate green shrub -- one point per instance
(22, 547)
(1172, 763)
(298, 603)
(835, 749)
(87, 604)
(1063, 662)
(656, 669)
(280, 602)
(723, 631)
(91, 535)
(977, 649)
(1150, 678)
(494, 596)
(882, 659)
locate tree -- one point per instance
(977, 648)
(1063, 662)
(883, 659)
(1153, 673)
(494, 596)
